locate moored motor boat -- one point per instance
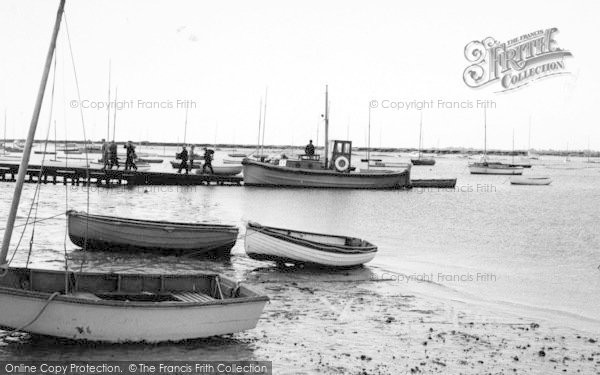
(306, 248)
(530, 180)
(126, 307)
(108, 233)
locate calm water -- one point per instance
(534, 249)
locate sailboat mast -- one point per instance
(513, 146)
(484, 132)
(4, 144)
(259, 126)
(420, 133)
(108, 107)
(326, 126)
(369, 139)
(115, 114)
(264, 124)
(185, 126)
(10, 223)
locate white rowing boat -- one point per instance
(125, 307)
(306, 248)
(528, 180)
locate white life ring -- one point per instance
(341, 163)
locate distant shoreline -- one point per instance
(443, 151)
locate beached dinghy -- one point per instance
(125, 307)
(306, 248)
(530, 180)
(98, 232)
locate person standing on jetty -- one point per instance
(208, 156)
(310, 149)
(112, 150)
(183, 155)
(105, 154)
(130, 160)
(192, 156)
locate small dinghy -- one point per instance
(306, 248)
(526, 180)
(126, 307)
(96, 232)
(224, 170)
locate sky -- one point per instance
(224, 57)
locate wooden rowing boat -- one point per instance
(126, 307)
(96, 232)
(306, 248)
(224, 170)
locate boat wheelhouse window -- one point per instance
(339, 147)
(346, 148)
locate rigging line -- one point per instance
(12, 332)
(38, 221)
(66, 165)
(36, 200)
(87, 170)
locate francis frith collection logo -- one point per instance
(514, 63)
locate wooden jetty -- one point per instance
(81, 175)
(442, 183)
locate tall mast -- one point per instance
(420, 133)
(484, 132)
(326, 126)
(115, 114)
(4, 144)
(185, 125)
(264, 124)
(529, 135)
(10, 223)
(513, 146)
(108, 108)
(369, 139)
(259, 127)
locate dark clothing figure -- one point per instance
(105, 154)
(310, 149)
(191, 157)
(184, 161)
(112, 150)
(130, 159)
(208, 161)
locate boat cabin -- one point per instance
(339, 159)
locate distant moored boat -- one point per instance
(527, 180)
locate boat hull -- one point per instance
(264, 247)
(86, 313)
(114, 234)
(434, 183)
(223, 170)
(264, 174)
(422, 161)
(530, 180)
(495, 170)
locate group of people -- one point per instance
(187, 160)
(110, 158)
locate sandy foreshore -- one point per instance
(349, 323)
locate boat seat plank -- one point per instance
(193, 297)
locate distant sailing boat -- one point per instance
(422, 160)
(115, 306)
(485, 167)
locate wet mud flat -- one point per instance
(350, 322)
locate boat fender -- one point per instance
(341, 164)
